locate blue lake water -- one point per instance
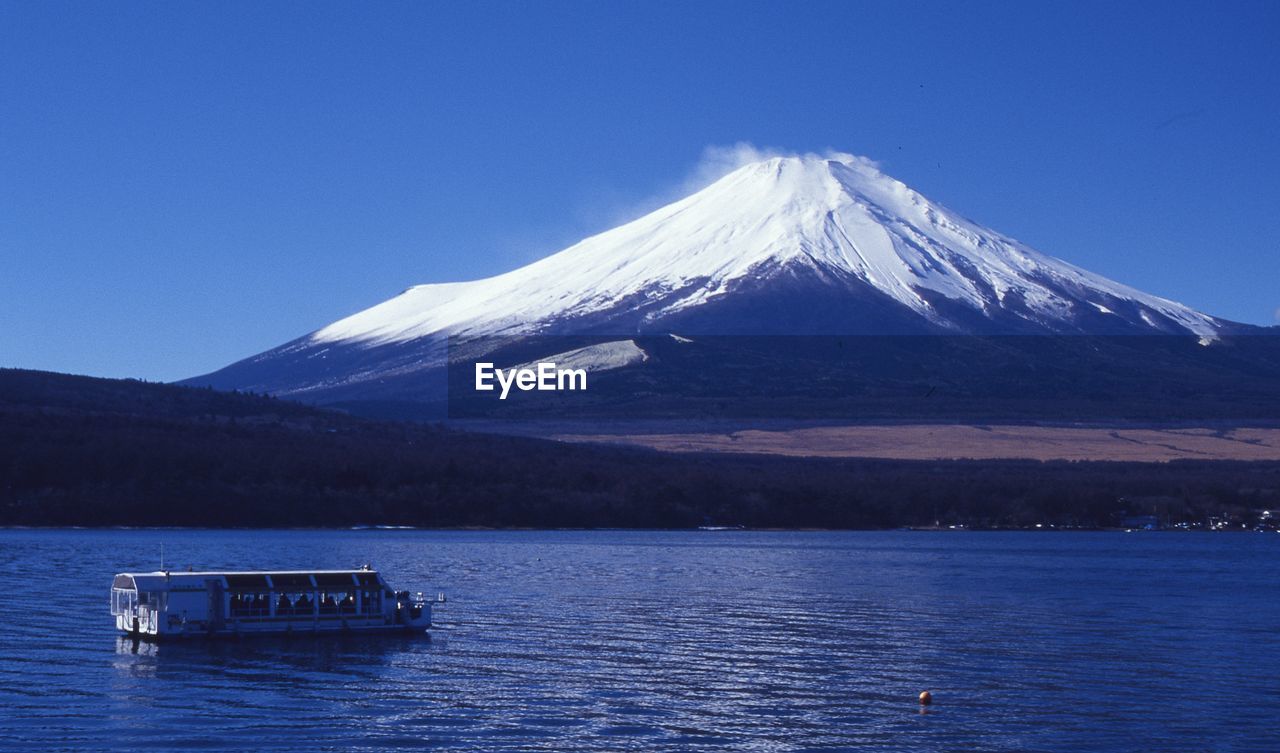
(672, 641)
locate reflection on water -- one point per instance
(670, 641)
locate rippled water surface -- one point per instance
(671, 641)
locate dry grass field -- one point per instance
(977, 442)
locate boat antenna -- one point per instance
(161, 556)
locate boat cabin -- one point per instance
(168, 604)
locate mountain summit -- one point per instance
(790, 245)
(836, 220)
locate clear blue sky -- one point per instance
(186, 184)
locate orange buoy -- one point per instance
(926, 698)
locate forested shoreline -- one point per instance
(96, 452)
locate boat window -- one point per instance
(255, 604)
(121, 601)
(290, 604)
(337, 602)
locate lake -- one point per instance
(640, 640)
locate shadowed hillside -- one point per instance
(84, 451)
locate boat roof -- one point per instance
(212, 573)
(160, 580)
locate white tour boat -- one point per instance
(166, 604)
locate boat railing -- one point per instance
(249, 605)
(419, 599)
(146, 618)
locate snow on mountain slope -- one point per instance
(837, 216)
(595, 358)
(801, 245)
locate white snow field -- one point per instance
(833, 214)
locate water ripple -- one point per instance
(677, 641)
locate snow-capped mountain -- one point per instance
(837, 218)
(790, 245)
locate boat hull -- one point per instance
(248, 629)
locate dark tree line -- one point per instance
(78, 451)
